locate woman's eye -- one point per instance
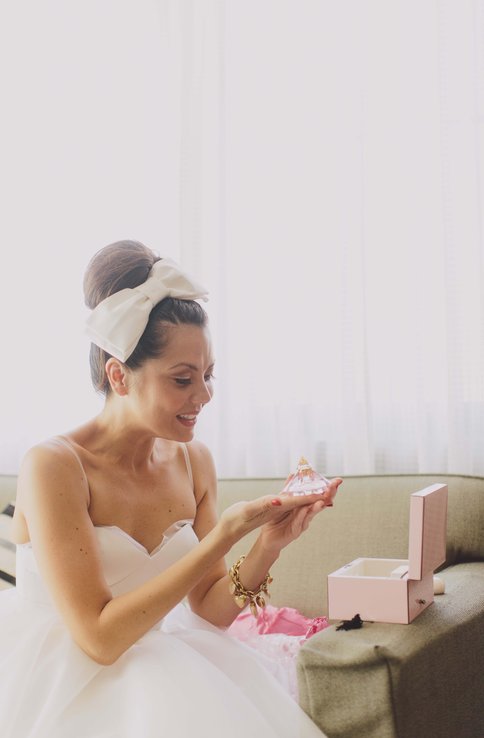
(185, 381)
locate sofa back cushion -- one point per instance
(8, 489)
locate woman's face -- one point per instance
(170, 391)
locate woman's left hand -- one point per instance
(278, 533)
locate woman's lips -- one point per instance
(187, 420)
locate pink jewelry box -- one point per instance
(396, 590)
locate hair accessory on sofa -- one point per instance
(352, 624)
(118, 322)
(252, 597)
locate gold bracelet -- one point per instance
(242, 596)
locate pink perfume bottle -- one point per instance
(307, 481)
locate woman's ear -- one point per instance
(117, 375)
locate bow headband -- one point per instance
(117, 323)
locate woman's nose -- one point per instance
(204, 393)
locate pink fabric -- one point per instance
(277, 634)
(272, 619)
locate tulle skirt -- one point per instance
(185, 677)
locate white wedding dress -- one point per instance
(184, 678)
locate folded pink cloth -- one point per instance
(272, 619)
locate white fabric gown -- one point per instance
(183, 678)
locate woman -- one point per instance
(115, 526)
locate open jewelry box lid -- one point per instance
(427, 530)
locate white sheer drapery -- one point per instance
(317, 164)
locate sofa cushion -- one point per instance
(385, 681)
(465, 520)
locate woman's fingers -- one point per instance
(300, 500)
(311, 513)
(304, 516)
(297, 510)
(274, 509)
(331, 490)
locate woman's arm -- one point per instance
(211, 598)
(54, 499)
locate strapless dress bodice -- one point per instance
(126, 563)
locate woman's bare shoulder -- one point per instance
(50, 482)
(48, 464)
(51, 453)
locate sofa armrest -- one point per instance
(403, 681)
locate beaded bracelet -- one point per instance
(242, 596)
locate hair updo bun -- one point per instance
(127, 264)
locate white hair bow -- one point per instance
(118, 322)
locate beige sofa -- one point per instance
(422, 680)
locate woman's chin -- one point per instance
(180, 434)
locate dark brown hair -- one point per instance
(127, 264)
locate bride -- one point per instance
(117, 626)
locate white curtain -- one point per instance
(318, 164)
